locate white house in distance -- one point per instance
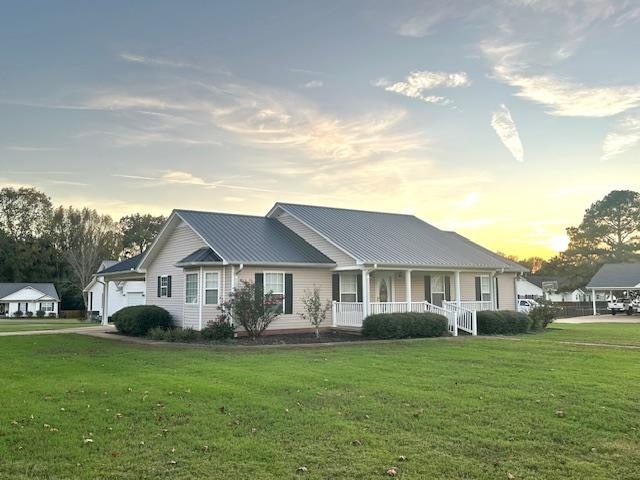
(121, 293)
(527, 289)
(362, 262)
(28, 297)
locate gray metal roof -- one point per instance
(202, 255)
(125, 265)
(48, 289)
(616, 275)
(395, 239)
(108, 263)
(249, 239)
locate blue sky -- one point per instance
(502, 120)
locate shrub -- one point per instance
(139, 319)
(542, 315)
(40, 313)
(17, 313)
(159, 333)
(52, 315)
(252, 308)
(219, 329)
(404, 325)
(315, 310)
(502, 322)
(185, 335)
(29, 314)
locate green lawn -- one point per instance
(618, 334)
(29, 324)
(457, 409)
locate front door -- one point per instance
(384, 287)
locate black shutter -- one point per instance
(497, 295)
(335, 287)
(288, 293)
(478, 290)
(259, 285)
(447, 288)
(359, 289)
(168, 285)
(159, 286)
(427, 288)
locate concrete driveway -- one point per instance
(601, 319)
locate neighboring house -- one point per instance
(366, 262)
(528, 289)
(615, 280)
(121, 293)
(28, 297)
(577, 295)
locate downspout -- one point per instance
(200, 295)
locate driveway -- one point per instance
(601, 319)
(86, 330)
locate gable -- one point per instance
(26, 294)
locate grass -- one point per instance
(468, 409)
(613, 333)
(30, 324)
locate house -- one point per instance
(615, 280)
(575, 295)
(364, 262)
(526, 288)
(28, 299)
(125, 292)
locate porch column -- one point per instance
(492, 289)
(105, 302)
(407, 289)
(593, 301)
(200, 296)
(456, 280)
(365, 293)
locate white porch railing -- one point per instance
(351, 314)
(477, 306)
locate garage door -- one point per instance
(135, 298)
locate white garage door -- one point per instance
(135, 298)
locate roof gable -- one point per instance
(28, 291)
(395, 239)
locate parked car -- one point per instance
(623, 305)
(525, 305)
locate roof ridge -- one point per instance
(349, 209)
(178, 210)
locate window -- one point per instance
(348, 287)
(46, 307)
(274, 285)
(191, 288)
(164, 286)
(437, 290)
(211, 288)
(485, 288)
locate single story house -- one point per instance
(615, 279)
(28, 298)
(122, 293)
(526, 288)
(363, 262)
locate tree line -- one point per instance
(608, 233)
(40, 242)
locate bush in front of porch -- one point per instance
(502, 322)
(404, 325)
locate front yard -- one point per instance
(80, 407)
(30, 324)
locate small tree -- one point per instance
(315, 311)
(250, 308)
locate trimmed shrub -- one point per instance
(18, 313)
(40, 313)
(219, 329)
(29, 314)
(404, 325)
(52, 315)
(502, 322)
(139, 319)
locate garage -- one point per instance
(135, 298)
(619, 281)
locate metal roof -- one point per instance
(107, 263)
(250, 239)
(616, 275)
(396, 239)
(202, 255)
(125, 265)
(47, 289)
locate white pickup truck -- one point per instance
(623, 305)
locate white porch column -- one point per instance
(407, 289)
(365, 293)
(593, 301)
(200, 296)
(456, 280)
(105, 302)
(492, 289)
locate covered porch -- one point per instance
(455, 294)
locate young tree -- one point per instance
(138, 231)
(315, 311)
(249, 308)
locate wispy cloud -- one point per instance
(418, 83)
(26, 148)
(314, 84)
(162, 62)
(625, 137)
(506, 130)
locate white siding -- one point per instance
(180, 242)
(317, 241)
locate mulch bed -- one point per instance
(300, 338)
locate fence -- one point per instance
(578, 309)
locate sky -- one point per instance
(503, 120)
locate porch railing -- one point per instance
(478, 306)
(347, 314)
